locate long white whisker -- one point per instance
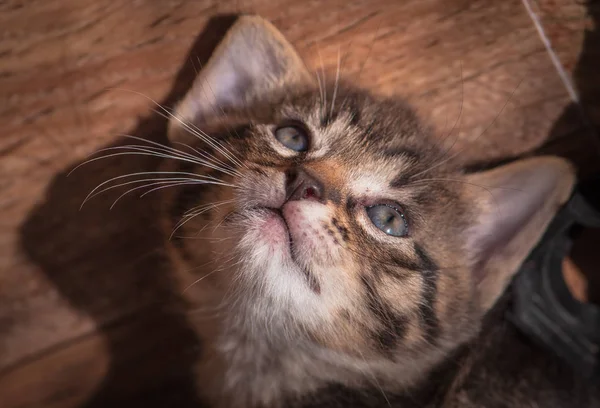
(212, 158)
(184, 221)
(462, 98)
(324, 80)
(211, 142)
(200, 279)
(169, 184)
(201, 155)
(481, 134)
(145, 173)
(186, 158)
(320, 90)
(175, 184)
(337, 79)
(197, 132)
(375, 379)
(141, 152)
(160, 146)
(202, 136)
(180, 152)
(364, 64)
(202, 207)
(239, 163)
(154, 182)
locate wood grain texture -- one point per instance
(88, 316)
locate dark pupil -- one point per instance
(387, 219)
(292, 138)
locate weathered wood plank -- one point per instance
(79, 290)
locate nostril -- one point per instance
(310, 192)
(302, 186)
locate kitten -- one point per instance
(333, 254)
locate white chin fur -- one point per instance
(268, 268)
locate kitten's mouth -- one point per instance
(310, 278)
(279, 214)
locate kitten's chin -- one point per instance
(272, 244)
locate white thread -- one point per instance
(546, 41)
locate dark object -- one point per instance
(544, 309)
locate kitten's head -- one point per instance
(338, 223)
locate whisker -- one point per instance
(158, 145)
(462, 99)
(337, 79)
(154, 182)
(146, 151)
(320, 90)
(486, 188)
(215, 159)
(202, 155)
(200, 279)
(169, 184)
(239, 163)
(144, 173)
(481, 134)
(374, 379)
(203, 238)
(324, 81)
(184, 221)
(175, 184)
(198, 133)
(464, 182)
(201, 207)
(362, 67)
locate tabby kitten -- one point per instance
(337, 256)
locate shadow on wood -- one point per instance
(583, 146)
(580, 144)
(111, 265)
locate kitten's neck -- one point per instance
(249, 361)
(245, 366)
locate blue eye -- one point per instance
(292, 137)
(388, 219)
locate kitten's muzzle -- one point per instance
(301, 185)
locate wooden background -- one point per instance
(88, 316)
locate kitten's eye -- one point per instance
(292, 137)
(388, 219)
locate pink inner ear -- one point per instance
(222, 88)
(517, 195)
(252, 61)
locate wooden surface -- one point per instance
(88, 316)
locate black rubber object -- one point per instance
(543, 307)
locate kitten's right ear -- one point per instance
(252, 62)
(513, 206)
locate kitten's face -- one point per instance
(332, 231)
(337, 225)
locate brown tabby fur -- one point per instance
(334, 312)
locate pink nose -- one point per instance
(300, 185)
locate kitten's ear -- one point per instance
(252, 62)
(521, 200)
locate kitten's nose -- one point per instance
(300, 185)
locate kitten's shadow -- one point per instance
(111, 265)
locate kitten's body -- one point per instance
(299, 298)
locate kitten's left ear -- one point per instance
(251, 63)
(514, 208)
